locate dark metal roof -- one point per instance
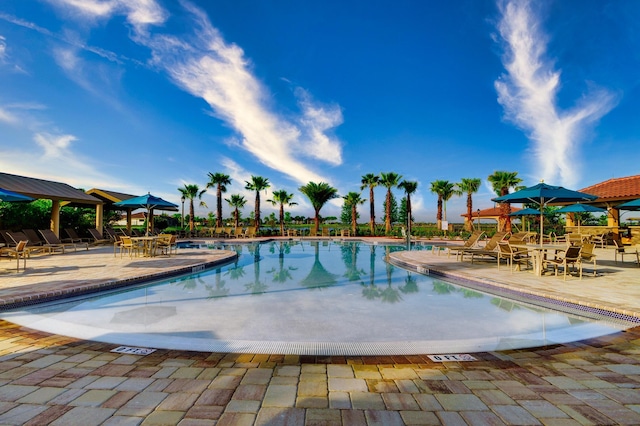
(39, 188)
(109, 196)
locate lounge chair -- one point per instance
(513, 254)
(74, 237)
(489, 250)
(4, 236)
(53, 241)
(237, 232)
(112, 234)
(470, 242)
(34, 238)
(571, 258)
(21, 236)
(98, 238)
(250, 232)
(19, 252)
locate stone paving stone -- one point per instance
(316, 416)
(123, 421)
(36, 377)
(249, 392)
(428, 402)
(284, 381)
(186, 373)
(494, 397)
(407, 386)
(383, 418)
(312, 402)
(400, 401)
(586, 415)
(205, 412)
(163, 418)
(187, 386)
(92, 398)
(257, 376)
(451, 418)
(177, 402)
(83, 416)
(41, 396)
(312, 389)
(271, 416)
(82, 382)
(380, 386)
(366, 401)
(45, 361)
(347, 385)
(514, 415)
(119, 399)
(419, 418)
(287, 370)
(340, 371)
(460, 402)
(339, 400)
(564, 383)
(225, 382)
(134, 384)
(105, 383)
(218, 397)
(236, 419)
(431, 374)
(21, 414)
(48, 416)
(398, 373)
(142, 404)
(481, 418)
(14, 392)
(313, 369)
(280, 396)
(543, 409)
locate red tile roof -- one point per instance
(625, 188)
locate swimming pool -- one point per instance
(309, 297)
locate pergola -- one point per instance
(492, 213)
(109, 198)
(613, 192)
(57, 192)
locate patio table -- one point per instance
(148, 244)
(539, 253)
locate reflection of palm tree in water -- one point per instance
(256, 287)
(370, 291)
(440, 287)
(283, 274)
(350, 259)
(219, 290)
(318, 276)
(390, 294)
(410, 284)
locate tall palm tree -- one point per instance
(236, 201)
(352, 200)
(220, 181)
(409, 187)
(444, 190)
(371, 181)
(257, 183)
(469, 186)
(318, 194)
(389, 180)
(283, 198)
(501, 182)
(190, 192)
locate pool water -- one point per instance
(309, 297)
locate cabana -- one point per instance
(57, 192)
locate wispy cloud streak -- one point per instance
(528, 91)
(203, 64)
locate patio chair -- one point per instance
(111, 233)
(53, 241)
(126, 244)
(513, 254)
(21, 236)
(19, 252)
(228, 231)
(74, 237)
(34, 238)
(4, 236)
(571, 258)
(167, 243)
(588, 255)
(237, 232)
(490, 249)
(622, 250)
(98, 238)
(470, 242)
(599, 239)
(250, 232)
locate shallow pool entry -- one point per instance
(309, 297)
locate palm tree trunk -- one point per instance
(219, 207)
(354, 216)
(372, 220)
(469, 224)
(387, 221)
(316, 222)
(191, 214)
(257, 212)
(282, 219)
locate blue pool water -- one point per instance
(309, 297)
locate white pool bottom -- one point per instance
(324, 321)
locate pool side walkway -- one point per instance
(50, 379)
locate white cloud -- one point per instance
(3, 48)
(206, 66)
(528, 91)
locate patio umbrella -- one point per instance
(543, 194)
(630, 205)
(148, 202)
(580, 208)
(13, 197)
(526, 212)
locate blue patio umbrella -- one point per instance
(148, 202)
(543, 194)
(13, 197)
(526, 212)
(630, 205)
(580, 208)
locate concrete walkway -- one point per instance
(49, 379)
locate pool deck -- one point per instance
(50, 379)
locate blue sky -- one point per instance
(144, 96)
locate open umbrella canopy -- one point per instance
(148, 202)
(630, 205)
(543, 194)
(526, 212)
(580, 208)
(13, 197)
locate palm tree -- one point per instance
(283, 198)
(388, 180)
(236, 201)
(444, 190)
(470, 186)
(371, 181)
(501, 182)
(318, 194)
(258, 183)
(190, 192)
(409, 188)
(220, 181)
(352, 200)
